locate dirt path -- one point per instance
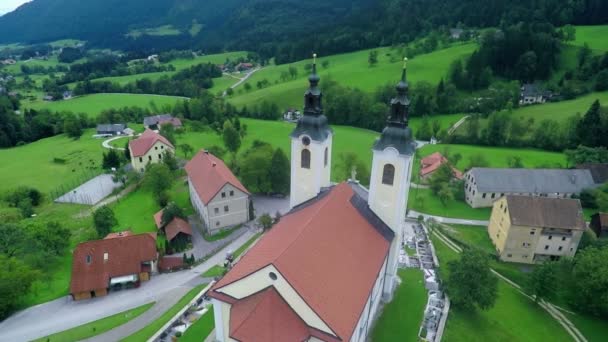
(550, 308)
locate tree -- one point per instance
(569, 33)
(589, 292)
(471, 283)
(279, 172)
(255, 167)
(372, 59)
(16, 279)
(72, 127)
(12, 239)
(104, 220)
(217, 151)
(170, 161)
(231, 137)
(293, 72)
(478, 160)
(601, 81)
(170, 212)
(158, 179)
(541, 283)
(265, 221)
(325, 64)
(425, 132)
(349, 162)
(589, 129)
(247, 87)
(515, 162)
(167, 130)
(187, 149)
(441, 177)
(526, 66)
(445, 194)
(110, 160)
(127, 151)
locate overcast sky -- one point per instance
(9, 5)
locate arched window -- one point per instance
(326, 156)
(388, 175)
(305, 159)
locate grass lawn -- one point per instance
(594, 329)
(97, 327)
(350, 69)
(200, 329)
(401, 318)
(222, 234)
(135, 212)
(214, 271)
(513, 317)
(595, 36)
(424, 201)
(94, 104)
(165, 30)
(33, 164)
(476, 236)
(147, 332)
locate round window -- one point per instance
(306, 141)
(272, 275)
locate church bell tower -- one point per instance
(310, 146)
(391, 172)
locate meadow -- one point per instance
(349, 69)
(94, 104)
(594, 36)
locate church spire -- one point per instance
(313, 96)
(397, 134)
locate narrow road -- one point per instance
(414, 214)
(64, 313)
(247, 75)
(457, 124)
(106, 143)
(550, 308)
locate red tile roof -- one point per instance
(125, 255)
(328, 251)
(433, 162)
(250, 316)
(209, 174)
(176, 226)
(144, 143)
(170, 263)
(158, 219)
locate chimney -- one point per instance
(206, 152)
(213, 164)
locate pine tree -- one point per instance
(589, 129)
(279, 172)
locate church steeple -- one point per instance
(397, 134)
(313, 96)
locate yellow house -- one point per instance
(529, 229)
(148, 149)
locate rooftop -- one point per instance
(144, 143)
(532, 180)
(546, 212)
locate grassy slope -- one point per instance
(474, 235)
(594, 329)
(97, 327)
(560, 111)
(595, 36)
(513, 317)
(352, 70)
(92, 105)
(33, 165)
(200, 329)
(152, 328)
(401, 318)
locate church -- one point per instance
(322, 271)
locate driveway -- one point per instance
(64, 313)
(201, 247)
(270, 205)
(414, 214)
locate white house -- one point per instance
(321, 272)
(216, 194)
(148, 149)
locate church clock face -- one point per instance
(306, 141)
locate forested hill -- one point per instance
(288, 29)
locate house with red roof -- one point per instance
(178, 232)
(432, 163)
(148, 148)
(321, 273)
(216, 194)
(120, 259)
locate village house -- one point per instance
(178, 231)
(456, 33)
(532, 93)
(599, 171)
(528, 230)
(483, 186)
(154, 122)
(430, 164)
(599, 225)
(148, 149)
(243, 67)
(322, 272)
(111, 129)
(216, 194)
(120, 259)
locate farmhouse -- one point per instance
(322, 271)
(532, 93)
(154, 122)
(148, 149)
(599, 172)
(430, 164)
(177, 229)
(485, 185)
(528, 229)
(216, 194)
(111, 129)
(119, 259)
(599, 225)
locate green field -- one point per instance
(476, 236)
(595, 36)
(200, 329)
(97, 327)
(33, 164)
(401, 318)
(94, 104)
(424, 201)
(165, 30)
(594, 329)
(513, 317)
(350, 69)
(147, 332)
